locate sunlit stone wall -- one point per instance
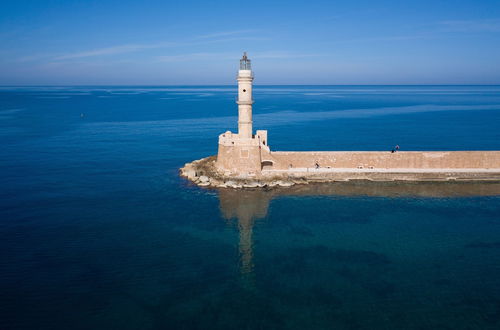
(386, 160)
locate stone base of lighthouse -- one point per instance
(242, 156)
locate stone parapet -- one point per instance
(387, 160)
(229, 139)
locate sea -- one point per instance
(99, 231)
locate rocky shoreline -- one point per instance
(203, 173)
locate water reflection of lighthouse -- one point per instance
(246, 206)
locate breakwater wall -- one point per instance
(285, 169)
(421, 160)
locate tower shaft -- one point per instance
(245, 101)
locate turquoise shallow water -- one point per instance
(98, 231)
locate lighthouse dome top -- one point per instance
(245, 63)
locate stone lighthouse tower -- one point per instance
(245, 79)
(243, 154)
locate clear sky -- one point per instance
(290, 42)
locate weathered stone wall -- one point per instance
(241, 156)
(386, 160)
(239, 159)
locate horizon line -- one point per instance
(196, 85)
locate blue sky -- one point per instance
(290, 42)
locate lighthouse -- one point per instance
(243, 154)
(245, 101)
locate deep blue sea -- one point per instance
(98, 231)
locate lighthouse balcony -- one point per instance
(245, 75)
(249, 102)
